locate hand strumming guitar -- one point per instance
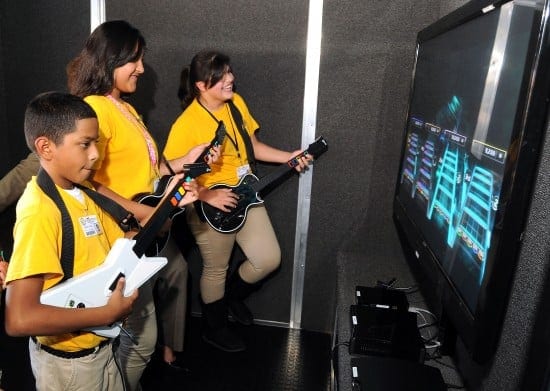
(223, 199)
(120, 306)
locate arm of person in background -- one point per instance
(3, 272)
(14, 182)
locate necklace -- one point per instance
(141, 126)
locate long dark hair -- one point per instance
(111, 45)
(208, 66)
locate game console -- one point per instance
(380, 297)
(385, 332)
(371, 373)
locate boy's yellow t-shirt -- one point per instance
(37, 248)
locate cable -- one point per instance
(455, 387)
(428, 325)
(435, 344)
(409, 290)
(337, 345)
(391, 285)
(419, 310)
(445, 364)
(332, 354)
(116, 343)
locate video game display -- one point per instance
(461, 140)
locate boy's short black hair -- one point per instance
(53, 115)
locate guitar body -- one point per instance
(227, 222)
(93, 288)
(153, 199)
(248, 189)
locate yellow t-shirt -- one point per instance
(37, 248)
(195, 125)
(124, 163)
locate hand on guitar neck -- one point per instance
(300, 160)
(188, 192)
(172, 201)
(203, 153)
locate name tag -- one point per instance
(156, 184)
(90, 225)
(243, 170)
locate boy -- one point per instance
(63, 130)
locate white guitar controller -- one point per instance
(94, 287)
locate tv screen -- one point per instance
(468, 156)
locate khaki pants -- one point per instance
(95, 372)
(142, 323)
(256, 239)
(171, 297)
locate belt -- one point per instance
(77, 354)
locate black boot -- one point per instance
(215, 330)
(237, 291)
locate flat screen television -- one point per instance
(475, 121)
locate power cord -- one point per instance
(335, 347)
(332, 355)
(390, 284)
(116, 343)
(454, 386)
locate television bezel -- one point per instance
(480, 331)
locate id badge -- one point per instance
(243, 170)
(90, 225)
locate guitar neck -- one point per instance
(147, 234)
(219, 136)
(315, 149)
(278, 173)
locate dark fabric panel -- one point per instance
(4, 146)
(38, 39)
(367, 54)
(527, 290)
(369, 249)
(266, 42)
(366, 66)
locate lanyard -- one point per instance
(233, 141)
(141, 126)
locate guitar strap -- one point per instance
(236, 114)
(125, 219)
(67, 232)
